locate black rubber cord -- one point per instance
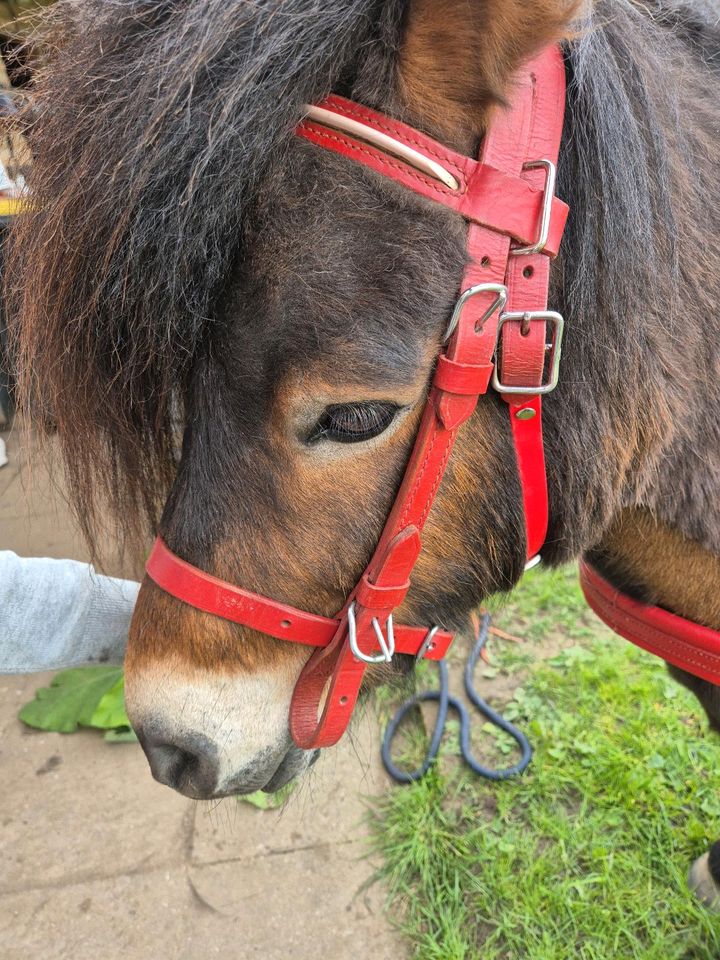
(445, 701)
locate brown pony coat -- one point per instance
(156, 286)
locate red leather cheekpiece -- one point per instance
(687, 645)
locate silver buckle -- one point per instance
(557, 325)
(501, 295)
(386, 645)
(548, 196)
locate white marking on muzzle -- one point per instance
(244, 717)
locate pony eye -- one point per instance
(353, 422)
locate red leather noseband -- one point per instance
(498, 332)
(205, 592)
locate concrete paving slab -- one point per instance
(316, 902)
(73, 807)
(137, 917)
(14, 692)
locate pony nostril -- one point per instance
(186, 763)
(168, 763)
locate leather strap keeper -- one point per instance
(374, 597)
(463, 379)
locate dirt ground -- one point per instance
(98, 860)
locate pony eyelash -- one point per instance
(353, 422)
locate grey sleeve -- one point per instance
(60, 613)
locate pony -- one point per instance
(233, 331)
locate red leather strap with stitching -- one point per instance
(522, 353)
(205, 592)
(488, 196)
(685, 644)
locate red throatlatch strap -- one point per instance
(687, 645)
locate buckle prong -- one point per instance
(501, 295)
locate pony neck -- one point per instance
(659, 565)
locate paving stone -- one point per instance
(73, 806)
(142, 917)
(16, 690)
(317, 902)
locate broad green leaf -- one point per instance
(268, 801)
(110, 711)
(71, 699)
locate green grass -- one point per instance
(586, 855)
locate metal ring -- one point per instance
(387, 645)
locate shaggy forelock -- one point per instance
(154, 123)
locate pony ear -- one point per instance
(458, 56)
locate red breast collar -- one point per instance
(685, 644)
(498, 336)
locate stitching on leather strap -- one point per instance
(437, 481)
(398, 135)
(653, 636)
(382, 158)
(420, 475)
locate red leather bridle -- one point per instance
(684, 643)
(498, 333)
(497, 336)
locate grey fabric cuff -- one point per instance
(60, 613)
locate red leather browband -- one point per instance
(685, 644)
(498, 333)
(488, 196)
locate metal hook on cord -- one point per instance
(445, 700)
